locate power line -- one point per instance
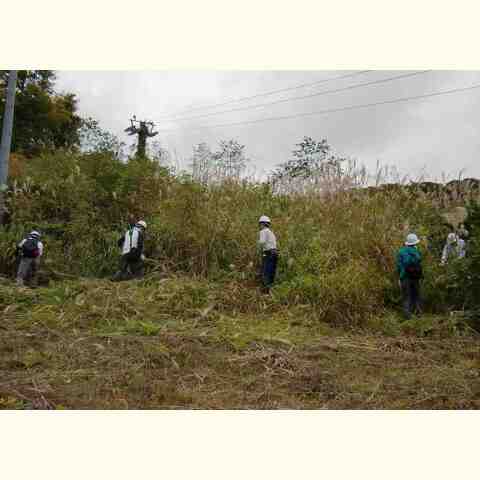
(340, 109)
(272, 92)
(303, 97)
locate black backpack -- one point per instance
(30, 248)
(414, 268)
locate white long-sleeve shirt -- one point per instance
(40, 246)
(455, 250)
(130, 241)
(267, 240)
(461, 248)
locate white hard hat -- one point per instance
(142, 223)
(264, 219)
(34, 233)
(412, 239)
(451, 238)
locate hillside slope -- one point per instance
(175, 343)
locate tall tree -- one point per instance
(44, 119)
(312, 164)
(230, 160)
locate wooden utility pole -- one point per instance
(144, 130)
(6, 144)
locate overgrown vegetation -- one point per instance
(337, 249)
(90, 343)
(44, 119)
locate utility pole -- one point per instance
(5, 146)
(144, 130)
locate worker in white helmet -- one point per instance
(29, 251)
(454, 248)
(267, 244)
(409, 267)
(132, 259)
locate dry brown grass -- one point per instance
(95, 345)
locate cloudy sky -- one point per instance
(432, 137)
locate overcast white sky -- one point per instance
(437, 135)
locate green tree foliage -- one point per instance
(312, 164)
(309, 158)
(44, 119)
(93, 139)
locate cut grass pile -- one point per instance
(178, 342)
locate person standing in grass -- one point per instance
(29, 251)
(409, 267)
(132, 259)
(454, 248)
(267, 245)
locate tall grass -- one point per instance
(337, 241)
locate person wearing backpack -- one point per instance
(267, 244)
(29, 251)
(409, 267)
(132, 259)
